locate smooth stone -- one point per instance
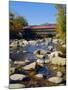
(17, 77)
(59, 74)
(25, 42)
(58, 61)
(16, 86)
(30, 66)
(40, 62)
(40, 53)
(19, 62)
(38, 76)
(55, 79)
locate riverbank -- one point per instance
(35, 61)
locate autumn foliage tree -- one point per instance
(16, 24)
(19, 23)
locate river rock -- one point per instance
(17, 77)
(13, 45)
(19, 62)
(59, 74)
(55, 41)
(25, 42)
(38, 76)
(30, 66)
(40, 53)
(58, 61)
(40, 62)
(55, 79)
(16, 86)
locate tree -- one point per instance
(19, 23)
(16, 24)
(61, 21)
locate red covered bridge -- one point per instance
(43, 31)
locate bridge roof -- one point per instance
(50, 26)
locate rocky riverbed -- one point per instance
(36, 63)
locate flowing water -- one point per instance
(22, 52)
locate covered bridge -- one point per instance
(39, 31)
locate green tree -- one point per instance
(61, 21)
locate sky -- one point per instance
(35, 13)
